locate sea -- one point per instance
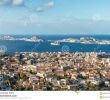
(12, 46)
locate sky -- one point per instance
(54, 16)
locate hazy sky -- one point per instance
(54, 16)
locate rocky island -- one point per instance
(82, 40)
(85, 40)
(32, 39)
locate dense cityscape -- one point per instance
(55, 71)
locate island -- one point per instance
(85, 40)
(82, 40)
(32, 39)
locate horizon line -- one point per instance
(56, 34)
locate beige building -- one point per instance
(30, 68)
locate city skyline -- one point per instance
(54, 17)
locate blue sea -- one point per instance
(23, 46)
